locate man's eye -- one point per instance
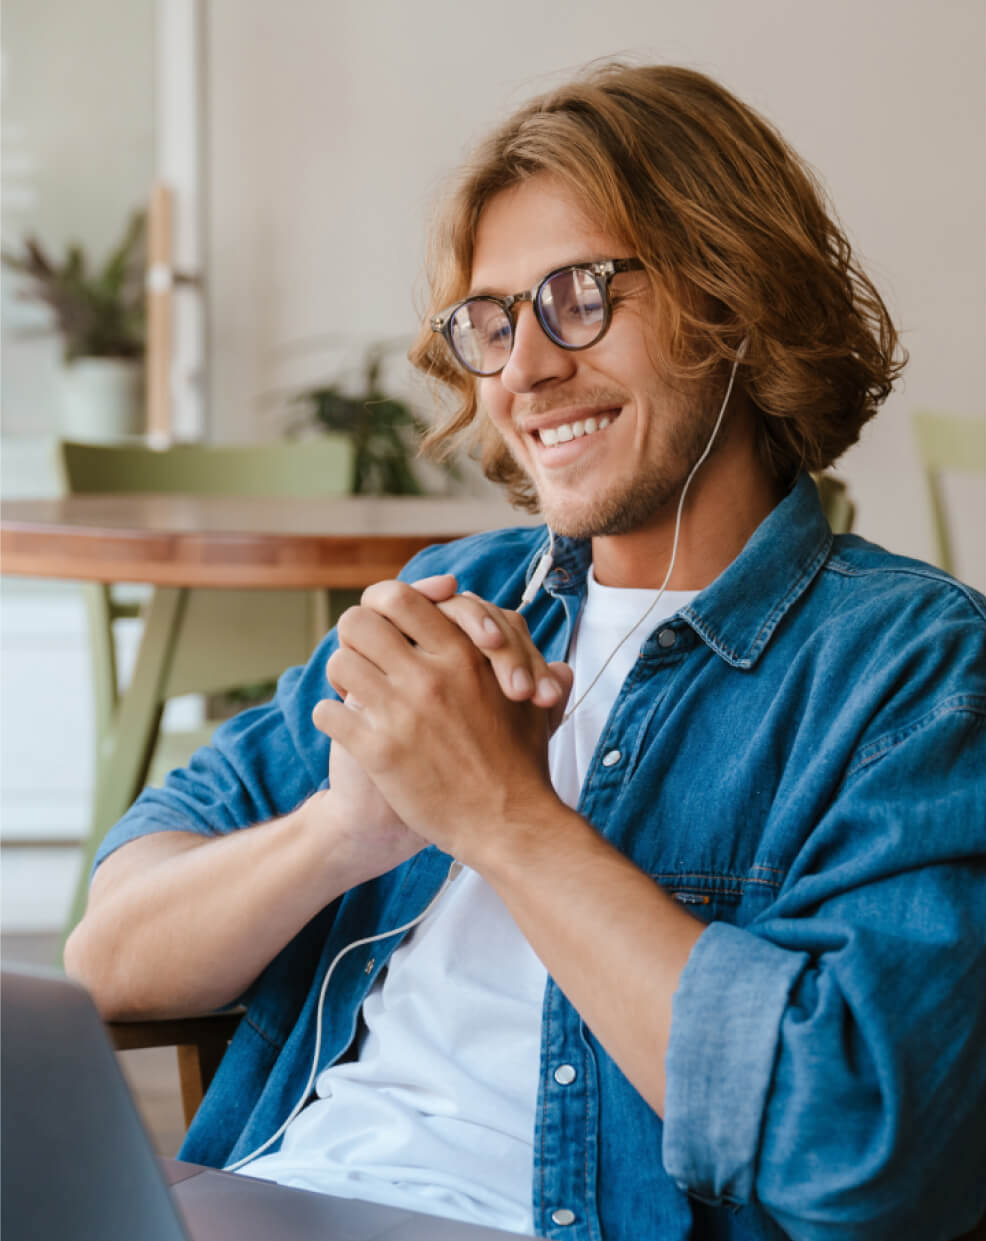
(585, 306)
(497, 333)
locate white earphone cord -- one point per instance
(544, 565)
(372, 939)
(674, 546)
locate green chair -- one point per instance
(947, 442)
(194, 641)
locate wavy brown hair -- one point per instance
(736, 239)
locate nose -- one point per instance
(535, 360)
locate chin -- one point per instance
(625, 512)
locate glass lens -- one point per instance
(482, 335)
(573, 306)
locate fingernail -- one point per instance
(521, 681)
(548, 687)
(490, 625)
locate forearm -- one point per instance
(611, 938)
(178, 923)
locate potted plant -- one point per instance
(100, 316)
(384, 428)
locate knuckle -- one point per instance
(384, 596)
(348, 623)
(429, 688)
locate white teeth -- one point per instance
(573, 430)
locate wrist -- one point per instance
(329, 842)
(528, 838)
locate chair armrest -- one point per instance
(201, 1043)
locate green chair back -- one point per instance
(947, 443)
(308, 468)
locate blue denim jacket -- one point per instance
(797, 757)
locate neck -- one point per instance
(729, 497)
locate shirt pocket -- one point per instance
(736, 899)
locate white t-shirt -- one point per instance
(437, 1112)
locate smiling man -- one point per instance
(658, 911)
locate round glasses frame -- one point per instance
(602, 272)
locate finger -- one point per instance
(414, 615)
(363, 630)
(352, 675)
(337, 722)
(437, 588)
(475, 620)
(518, 665)
(565, 676)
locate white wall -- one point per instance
(331, 127)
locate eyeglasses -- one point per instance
(571, 304)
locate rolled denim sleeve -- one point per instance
(259, 765)
(827, 1060)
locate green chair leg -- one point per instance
(122, 765)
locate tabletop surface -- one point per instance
(213, 541)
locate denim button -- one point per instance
(612, 758)
(565, 1075)
(667, 638)
(563, 1216)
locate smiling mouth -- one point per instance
(574, 430)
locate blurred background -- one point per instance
(303, 146)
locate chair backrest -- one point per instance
(321, 466)
(947, 442)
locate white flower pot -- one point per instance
(102, 399)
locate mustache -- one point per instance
(599, 397)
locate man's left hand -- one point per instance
(450, 752)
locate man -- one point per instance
(715, 964)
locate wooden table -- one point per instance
(213, 541)
(191, 549)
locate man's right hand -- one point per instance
(373, 835)
(502, 636)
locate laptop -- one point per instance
(78, 1165)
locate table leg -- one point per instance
(121, 768)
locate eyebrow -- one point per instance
(486, 291)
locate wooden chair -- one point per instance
(209, 641)
(947, 443)
(201, 1043)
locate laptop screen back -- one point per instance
(76, 1159)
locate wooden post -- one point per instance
(159, 284)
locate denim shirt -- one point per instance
(798, 758)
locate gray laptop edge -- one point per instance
(77, 1164)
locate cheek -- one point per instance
(494, 404)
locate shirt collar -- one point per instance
(736, 615)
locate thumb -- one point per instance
(565, 677)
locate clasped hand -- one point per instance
(447, 711)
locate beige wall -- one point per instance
(332, 126)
